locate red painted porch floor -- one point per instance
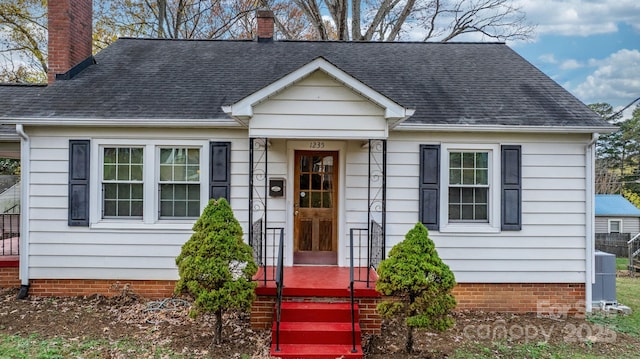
(318, 281)
(9, 256)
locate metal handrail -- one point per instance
(8, 210)
(631, 252)
(633, 239)
(351, 289)
(279, 287)
(7, 232)
(360, 233)
(374, 247)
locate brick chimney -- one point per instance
(265, 25)
(70, 35)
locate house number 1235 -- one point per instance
(316, 144)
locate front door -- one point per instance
(315, 207)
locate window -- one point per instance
(122, 182)
(615, 226)
(470, 190)
(179, 182)
(141, 184)
(149, 182)
(468, 186)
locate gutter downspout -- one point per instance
(25, 168)
(590, 220)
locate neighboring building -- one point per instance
(615, 214)
(121, 153)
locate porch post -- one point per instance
(250, 207)
(369, 224)
(377, 202)
(258, 224)
(384, 198)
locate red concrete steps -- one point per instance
(310, 330)
(317, 333)
(317, 312)
(316, 351)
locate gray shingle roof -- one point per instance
(451, 83)
(17, 95)
(13, 96)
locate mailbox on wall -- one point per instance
(276, 187)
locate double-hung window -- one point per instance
(148, 182)
(469, 186)
(470, 197)
(179, 182)
(122, 182)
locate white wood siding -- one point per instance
(318, 107)
(549, 248)
(551, 245)
(129, 252)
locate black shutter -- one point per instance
(79, 183)
(511, 188)
(220, 170)
(429, 212)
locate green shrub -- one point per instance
(419, 283)
(216, 266)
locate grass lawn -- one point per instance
(562, 344)
(17, 347)
(622, 263)
(628, 293)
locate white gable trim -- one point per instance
(243, 109)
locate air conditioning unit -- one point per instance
(604, 288)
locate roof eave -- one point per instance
(503, 128)
(121, 122)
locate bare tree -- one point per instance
(23, 23)
(607, 181)
(390, 20)
(174, 19)
(23, 45)
(193, 19)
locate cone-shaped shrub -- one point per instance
(419, 284)
(216, 266)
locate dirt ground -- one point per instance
(167, 324)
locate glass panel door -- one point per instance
(315, 209)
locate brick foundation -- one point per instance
(9, 276)
(550, 298)
(83, 287)
(263, 307)
(520, 297)
(490, 297)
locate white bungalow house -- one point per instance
(122, 151)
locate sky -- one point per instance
(590, 47)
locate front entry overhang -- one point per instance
(318, 100)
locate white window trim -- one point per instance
(493, 212)
(621, 229)
(150, 218)
(129, 181)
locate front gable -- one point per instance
(317, 101)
